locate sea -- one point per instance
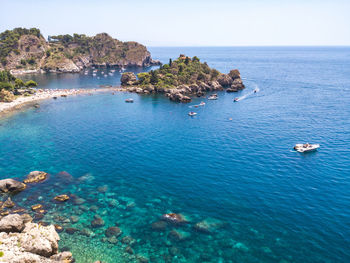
(230, 171)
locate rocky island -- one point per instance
(26, 51)
(182, 78)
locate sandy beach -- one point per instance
(42, 94)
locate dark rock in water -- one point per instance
(178, 235)
(38, 217)
(174, 218)
(12, 223)
(55, 98)
(128, 240)
(159, 226)
(36, 106)
(9, 203)
(113, 231)
(61, 198)
(11, 186)
(129, 250)
(97, 222)
(71, 230)
(64, 249)
(128, 79)
(102, 189)
(35, 177)
(58, 228)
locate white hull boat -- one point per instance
(307, 147)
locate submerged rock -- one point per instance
(36, 207)
(113, 231)
(97, 222)
(178, 235)
(208, 225)
(159, 226)
(11, 186)
(35, 177)
(102, 189)
(71, 230)
(128, 240)
(58, 228)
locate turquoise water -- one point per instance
(231, 165)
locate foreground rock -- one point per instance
(11, 186)
(24, 241)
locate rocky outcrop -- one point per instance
(11, 186)
(23, 241)
(128, 79)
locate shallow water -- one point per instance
(231, 164)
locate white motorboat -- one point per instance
(129, 100)
(192, 113)
(202, 103)
(213, 97)
(306, 147)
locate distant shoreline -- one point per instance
(21, 102)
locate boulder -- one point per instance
(174, 218)
(237, 84)
(113, 231)
(178, 235)
(61, 198)
(40, 240)
(12, 223)
(215, 85)
(97, 222)
(63, 257)
(35, 177)
(11, 186)
(225, 80)
(128, 79)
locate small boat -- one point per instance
(196, 106)
(55, 98)
(213, 97)
(202, 103)
(306, 147)
(191, 113)
(129, 100)
(236, 99)
(255, 90)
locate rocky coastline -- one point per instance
(25, 51)
(178, 86)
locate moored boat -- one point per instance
(129, 100)
(192, 113)
(306, 147)
(213, 97)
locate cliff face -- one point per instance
(24, 50)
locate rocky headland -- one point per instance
(181, 79)
(26, 51)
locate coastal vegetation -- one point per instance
(26, 50)
(181, 77)
(11, 86)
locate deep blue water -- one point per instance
(232, 163)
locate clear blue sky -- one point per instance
(189, 23)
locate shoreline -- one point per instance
(7, 108)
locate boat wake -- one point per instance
(255, 90)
